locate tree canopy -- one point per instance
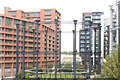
(110, 68)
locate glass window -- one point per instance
(8, 22)
(0, 20)
(30, 25)
(16, 22)
(8, 30)
(1, 34)
(12, 12)
(87, 37)
(32, 14)
(47, 16)
(47, 23)
(82, 32)
(38, 14)
(82, 45)
(47, 19)
(47, 11)
(82, 49)
(82, 37)
(32, 18)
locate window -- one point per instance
(87, 19)
(38, 14)
(47, 19)
(82, 37)
(82, 49)
(12, 12)
(82, 45)
(47, 11)
(8, 47)
(8, 52)
(8, 22)
(1, 34)
(30, 25)
(32, 18)
(82, 32)
(8, 30)
(87, 37)
(0, 20)
(32, 14)
(8, 41)
(16, 22)
(47, 23)
(47, 16)
(8, 36)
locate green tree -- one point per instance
(110, 68)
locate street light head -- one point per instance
(75, 21)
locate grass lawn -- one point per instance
(58, 76)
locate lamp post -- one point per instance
(74, 48)
(37, 50)
(99, 53)
(85, 50)
(56, 23)
(23, 53)
(60, 53)
(95, 47)
(46, 47)
(33, 48)
(17, 49)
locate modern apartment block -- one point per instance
(114, 26)
(90, 21)
(51, 43)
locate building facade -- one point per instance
(47, 41)
(91, 21)
(114, 26)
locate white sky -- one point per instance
(69, 9)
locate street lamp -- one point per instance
(99, 52)
(17, 49)
(46, 48)
(74, 48)
(56, 24)
(37, 50)
(33, 48)
(23, 53)
(95, 28)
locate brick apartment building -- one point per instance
(8, 22)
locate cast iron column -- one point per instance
(74, 48)
(99, 53)
(95, 48)
(46, 47)
(23, 52)
(56, 23)
(17, 49)
(37, 50)
(33, 48)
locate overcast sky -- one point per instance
(69, 9)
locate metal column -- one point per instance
(23, 53)
(60, 53)
(46, 48)
(85, 51)
(99, 53)
(56, 23)
(17, 49)
(33, 48)
(37, 50)
(74, 48)
(95, 48)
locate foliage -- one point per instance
(110, 68)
